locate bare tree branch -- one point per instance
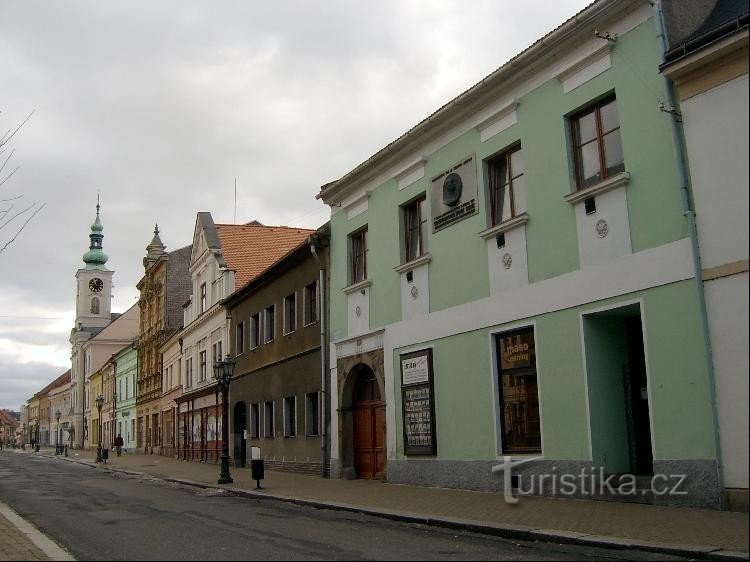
(9, 242)
(7, 136)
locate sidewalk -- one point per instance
(696, 533)
(20, 540)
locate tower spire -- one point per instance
(95, 258)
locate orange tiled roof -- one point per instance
(7, 418)
(250, 248)
(59, 381)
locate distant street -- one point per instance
(102, 516)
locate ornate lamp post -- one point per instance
(59, 433)
(223, 374)
(99, 403)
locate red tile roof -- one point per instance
(59, 381)
(251, 248)
(7, 418)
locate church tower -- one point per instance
(94, 282)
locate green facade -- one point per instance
(125, 386)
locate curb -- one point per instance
(503, 530)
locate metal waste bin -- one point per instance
(258, 471)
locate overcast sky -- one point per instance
(159, 106)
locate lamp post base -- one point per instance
(224, 476)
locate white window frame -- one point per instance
(316, 430)
(266, 338)
(305, 320)
(255, 331)
(239, 338)
(272, 433)
(286, 320)
(287, 427)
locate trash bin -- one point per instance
(257, 470)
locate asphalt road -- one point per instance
(97, 515)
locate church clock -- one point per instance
(96, 284)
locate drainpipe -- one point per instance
(678, 141)
(323, 354)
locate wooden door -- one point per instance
(369, 439)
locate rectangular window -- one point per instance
(254, 331)
(311, 303)
(217, 352)
(268, 420)
(519, 395)
(240, 338)
(188, 372)
(268, 324)
(358, 243)
(312, 414)
(415, 221)
(506, 184)
(290, 416)
(203, 366)
(290, 313)
(597, 146)
(203, 298)
(255, 421)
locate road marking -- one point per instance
(50, 548)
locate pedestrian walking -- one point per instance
(118, 444)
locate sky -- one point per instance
(159, 107)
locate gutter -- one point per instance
(678, 141)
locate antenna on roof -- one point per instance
(235, 200)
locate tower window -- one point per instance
(95, 305)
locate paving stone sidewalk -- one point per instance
(699, 531)
(14, 545)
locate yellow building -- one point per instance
(95, 390)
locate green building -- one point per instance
(126, 370)
(512, 283)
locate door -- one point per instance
(636, 388)
(368, 416)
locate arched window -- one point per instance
(95, 305)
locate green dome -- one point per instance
(95, 258)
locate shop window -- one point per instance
(519, 395)
(415, 228)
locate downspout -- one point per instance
(324, 448)
(678, 141)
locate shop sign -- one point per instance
(418, 403)
(517, 350)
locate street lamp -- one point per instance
(99, 403)
(223, 374)
(59, 433)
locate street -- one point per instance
(98, 516)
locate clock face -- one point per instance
(96, 284)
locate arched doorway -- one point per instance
(240, 443)
(368, 424)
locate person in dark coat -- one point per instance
(118, 444)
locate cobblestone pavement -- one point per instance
(625, 521)
(14, 545)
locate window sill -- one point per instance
(361, 286)
(505, 226)
(416, 262)
(609, 184)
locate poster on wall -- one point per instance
(418, 403)
(453, 194)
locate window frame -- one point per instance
(203, 298)
(289, 320)
(203, 366)
(492, 163)
(310, 418)
(240, 338)
(290, 424)
(254, 340)
(255, 421)
(310, 315)
(409, 210)
(357, 240)
(269, 429)
(269, 325)
(574, 119)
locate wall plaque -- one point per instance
(453, 194)
(418, 403)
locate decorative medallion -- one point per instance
(414, 292)
(452, 188)
(507, 260)
(602, 228)
(357, 311)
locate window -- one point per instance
(240, 338)
(254, 331)
(203, 366)
(255, 421)
(415, 219)
(311, 303)
(95, 305)
(290, 313)
(290, 416)
(312, 414)
(217, 352)
(203, 299)
(519, 395)
(268, 425)
(268, 326)
(597, 146)
(505, 179)
(358, 256)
